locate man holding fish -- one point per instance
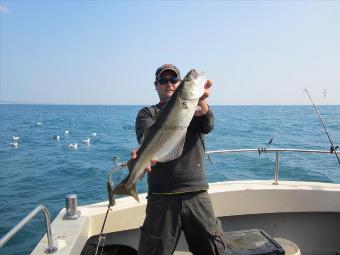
(171, 138)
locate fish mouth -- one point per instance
(195, 73)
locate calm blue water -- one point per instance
(43, 171)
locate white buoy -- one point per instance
(94, 134)
(66, 131)
(39, 124)
(15, 138)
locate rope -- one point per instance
(102, 236)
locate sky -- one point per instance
(106, 52)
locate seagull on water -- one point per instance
(87, 141)
(73, 146)
(56, 137)
(14, 144)
(15, 138)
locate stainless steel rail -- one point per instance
(25, 220)
(265, 150)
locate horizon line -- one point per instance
(62, 104)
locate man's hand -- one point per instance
(207, 87)
(134, 156)
(203, 103)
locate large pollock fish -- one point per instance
(164, 140)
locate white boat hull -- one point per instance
(306, 213)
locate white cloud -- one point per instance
(3, 9)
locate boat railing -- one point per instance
(24, 221)
(270, 150)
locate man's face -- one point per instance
(165, 91)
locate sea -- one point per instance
(43, 170)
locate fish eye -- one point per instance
(187, 79)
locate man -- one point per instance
(177, 194)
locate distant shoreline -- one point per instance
(55, 104)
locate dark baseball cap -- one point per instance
(164, 67)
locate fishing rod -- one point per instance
(333, 148)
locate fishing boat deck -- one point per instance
(285, 211)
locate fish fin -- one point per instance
(120, 189)
(175, 152)
(134, 193)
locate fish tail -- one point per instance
(122, 190)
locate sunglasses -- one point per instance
(164, 81)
